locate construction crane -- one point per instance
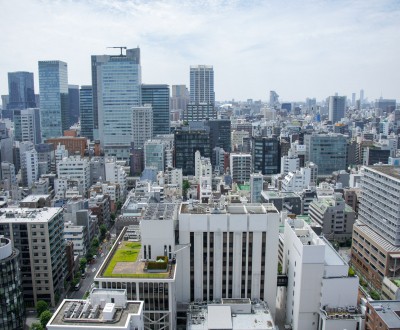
(121, 48)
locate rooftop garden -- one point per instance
(123, 264)
(126, 252)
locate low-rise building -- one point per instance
(104, 309)
(382, 315)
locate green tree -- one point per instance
(36, 326)
(95, 242)
(45, 318)
(103, 231)
(41, 306)
(82, 263)
(185, 187)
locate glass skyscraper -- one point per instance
(158, 97)
(116, 82)
(21, 90)
(53, 87)
(21, 93)
(73, 110)
(86, 111)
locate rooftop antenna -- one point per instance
(120, 47)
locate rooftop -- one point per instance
(15, 215)
(124, 261)
(392, 171)
(388, 311)
(226, 315)
(34, 198)
(234, 208)
(74, 313)
(376, 238)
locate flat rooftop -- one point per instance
(376, 238)
(96, 320)
(158, 211)
(203, 316)
(234, 208)
(34, 198)
(123, 261)
(21, 215)
(393, 171)
(388, 311)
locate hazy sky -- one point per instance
(298, 48)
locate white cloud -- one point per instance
(300, 49)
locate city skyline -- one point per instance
(313, 49)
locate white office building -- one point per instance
(75, 167)
(297, 181)
(115, 173)
(320, 294)
(227, 251)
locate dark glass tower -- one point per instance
(54, 102)
(73, 97)
(187, 142)
(21, 90)
(86, 111)
(158, 97)
(12, 311)
(266, 155)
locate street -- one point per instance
(91, 270)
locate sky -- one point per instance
(309, 48)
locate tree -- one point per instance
(36, 326)
(45, 318)
(41, 306)
(82, 263)
(95, 242)
(103, 231)
(185, 187)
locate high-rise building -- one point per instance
(202, 84)
(327, 151)
(336, 108)
(38, 234)
(21, 90)
(318, 282)
(187, 142)
(361, 97)
(266, 154)
(381, 184)
(116, 82)
(142, 125)
(202, 95)
(53, 86)
(154, 154)
(232, 252)
(27, 125)
(240, 166)
(73, 106)
(12, 313)
(86, 111)
(158, 97)
(386, 105)
(273, 99)
(180, 97)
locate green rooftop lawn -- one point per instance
(397, 282)
(126, 252)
